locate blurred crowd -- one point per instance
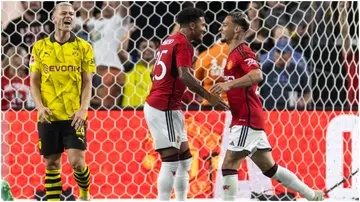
(307, 50)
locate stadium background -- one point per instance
(307, 140)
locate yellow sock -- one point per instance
(83, 180)
(53, 185)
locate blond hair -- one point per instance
(62, 4)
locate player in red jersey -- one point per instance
(247, 137)
(171, 76)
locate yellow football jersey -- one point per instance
(61, 66)
(137, 85)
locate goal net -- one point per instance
(309, 56)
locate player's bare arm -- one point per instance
(79, 116)
(35, 80)
(253, 77)
(194, 85)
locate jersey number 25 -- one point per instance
(161, 64)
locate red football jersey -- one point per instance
(245, 104)
(167, 88)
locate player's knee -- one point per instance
(271, 171)
(227, 164)
(184, 167)
(233, 160)
(263, 160)
(53, 164)
(233, 163)
(265, 166)
(185, 160)
(77, 164)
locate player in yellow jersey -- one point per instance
(61, 69)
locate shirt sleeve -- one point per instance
(88, 64)
(248, 63)
(184, 55)
(35, 61)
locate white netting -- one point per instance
(311, 105)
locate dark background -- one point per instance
(327, 72)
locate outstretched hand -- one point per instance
(220, 88)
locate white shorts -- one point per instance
(244, 138)
(167, 128)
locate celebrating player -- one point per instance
(171, 76)
(61, 68)
(247, 137)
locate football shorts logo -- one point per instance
(81, 139)
(32, 60)
(229, 65)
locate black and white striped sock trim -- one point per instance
(170, 126)
(243, 136)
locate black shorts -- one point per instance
(60, 135)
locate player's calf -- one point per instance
(182, 176)
(52, 162)
(76, 159)
(166, 177)
(230, 168)
(263, 159)
(81, 171)
(83, 180)
(289, 180)
(53, 183)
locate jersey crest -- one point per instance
(229, 65)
